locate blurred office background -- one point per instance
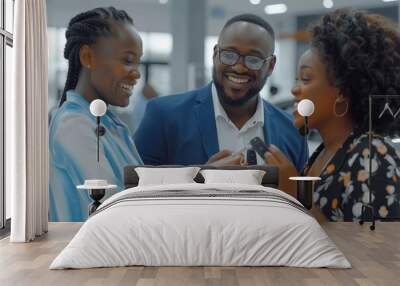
(179, 35)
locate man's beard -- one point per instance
(226, 100)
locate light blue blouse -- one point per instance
(73, 156)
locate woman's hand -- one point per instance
(275, 157)
(225, 157)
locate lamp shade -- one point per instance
(98, 107)
(305, 107)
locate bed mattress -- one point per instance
(201, 225)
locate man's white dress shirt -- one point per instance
(232, 138)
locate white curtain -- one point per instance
(26, 124)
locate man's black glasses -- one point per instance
(230, 58)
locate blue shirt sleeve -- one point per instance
(73, 158)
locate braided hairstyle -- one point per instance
(84, 29)
(362, 56)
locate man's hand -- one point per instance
(225, 157)
(275, 157)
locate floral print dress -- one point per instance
(344, 188)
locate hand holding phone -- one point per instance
(251, 157)
(259, 146)
(226, 157)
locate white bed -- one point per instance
(224, 225)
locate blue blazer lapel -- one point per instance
(268, 127)
(204, 112)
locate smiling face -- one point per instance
(236, 84)
(115, 64)
(312, 83)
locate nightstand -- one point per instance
(97, 190)
(305, 189)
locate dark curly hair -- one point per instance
(361, 52)
(84, 29)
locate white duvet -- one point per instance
(183, 231)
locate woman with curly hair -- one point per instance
(352, 55)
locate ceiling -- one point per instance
(151, 16)
(296, 7)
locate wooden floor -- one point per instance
(375, 257)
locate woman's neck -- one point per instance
(335, 133)
(85, 89)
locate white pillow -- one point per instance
(164, 176)
(248, 177)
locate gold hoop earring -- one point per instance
(343, 113)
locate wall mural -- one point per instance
(90, 144)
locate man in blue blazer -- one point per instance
(227, 113)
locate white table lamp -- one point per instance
(98, 108)
(305, 185)
(305, 108)
(97, 188)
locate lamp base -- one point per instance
(370, 214)
(305, 193)
(96, 195)
(305, 189)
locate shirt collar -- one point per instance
(219, 111)
(73, 96)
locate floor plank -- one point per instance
(374, 255)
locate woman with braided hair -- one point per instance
(103, 50)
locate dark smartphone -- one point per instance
(251, 157)
(259, 146)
